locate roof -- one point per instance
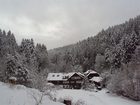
(72, 73)
(80, 74)
(13, 78)
(69, 74)
(89, 72)
(55, 76)
(96, 79)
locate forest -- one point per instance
(114, 53)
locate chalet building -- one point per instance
(73, 80)
(70, 80)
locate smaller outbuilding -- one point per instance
(12, 80)
(91, 73)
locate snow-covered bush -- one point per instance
(80, 102)
(86, 84)
(90, 87)
(106, 76)
(51, 92)
(115, 83)
(126, 83)
(131, 84)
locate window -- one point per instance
(76, 78)
(72, 82)
(65, 81)
(57, 75)
(65, 77)
(78, 81)
(53, 75)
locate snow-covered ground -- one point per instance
(20, 95)
(94, 98)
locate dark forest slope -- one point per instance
(114, 46)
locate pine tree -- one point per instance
(16, 69)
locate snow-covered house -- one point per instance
(73, 80)
(12, 80)
(67, 80)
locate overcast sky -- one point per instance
(61, 22)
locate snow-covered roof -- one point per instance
(72, 73)
(13, 78)
(88, 72)
(96, 79)
(55, 76)
(80, 74)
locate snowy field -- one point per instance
(94, 98)
(20, 95)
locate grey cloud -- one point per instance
(61, 22)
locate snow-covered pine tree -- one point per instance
(42, 57)
(15, 68)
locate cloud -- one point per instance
(62, 22)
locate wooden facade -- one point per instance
(74, 82)
(59, 82)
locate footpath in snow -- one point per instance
(94, 98)
(20, 95)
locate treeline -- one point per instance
(26, 62)
(114, 52)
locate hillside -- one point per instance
(121, 39)
(114, 52)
